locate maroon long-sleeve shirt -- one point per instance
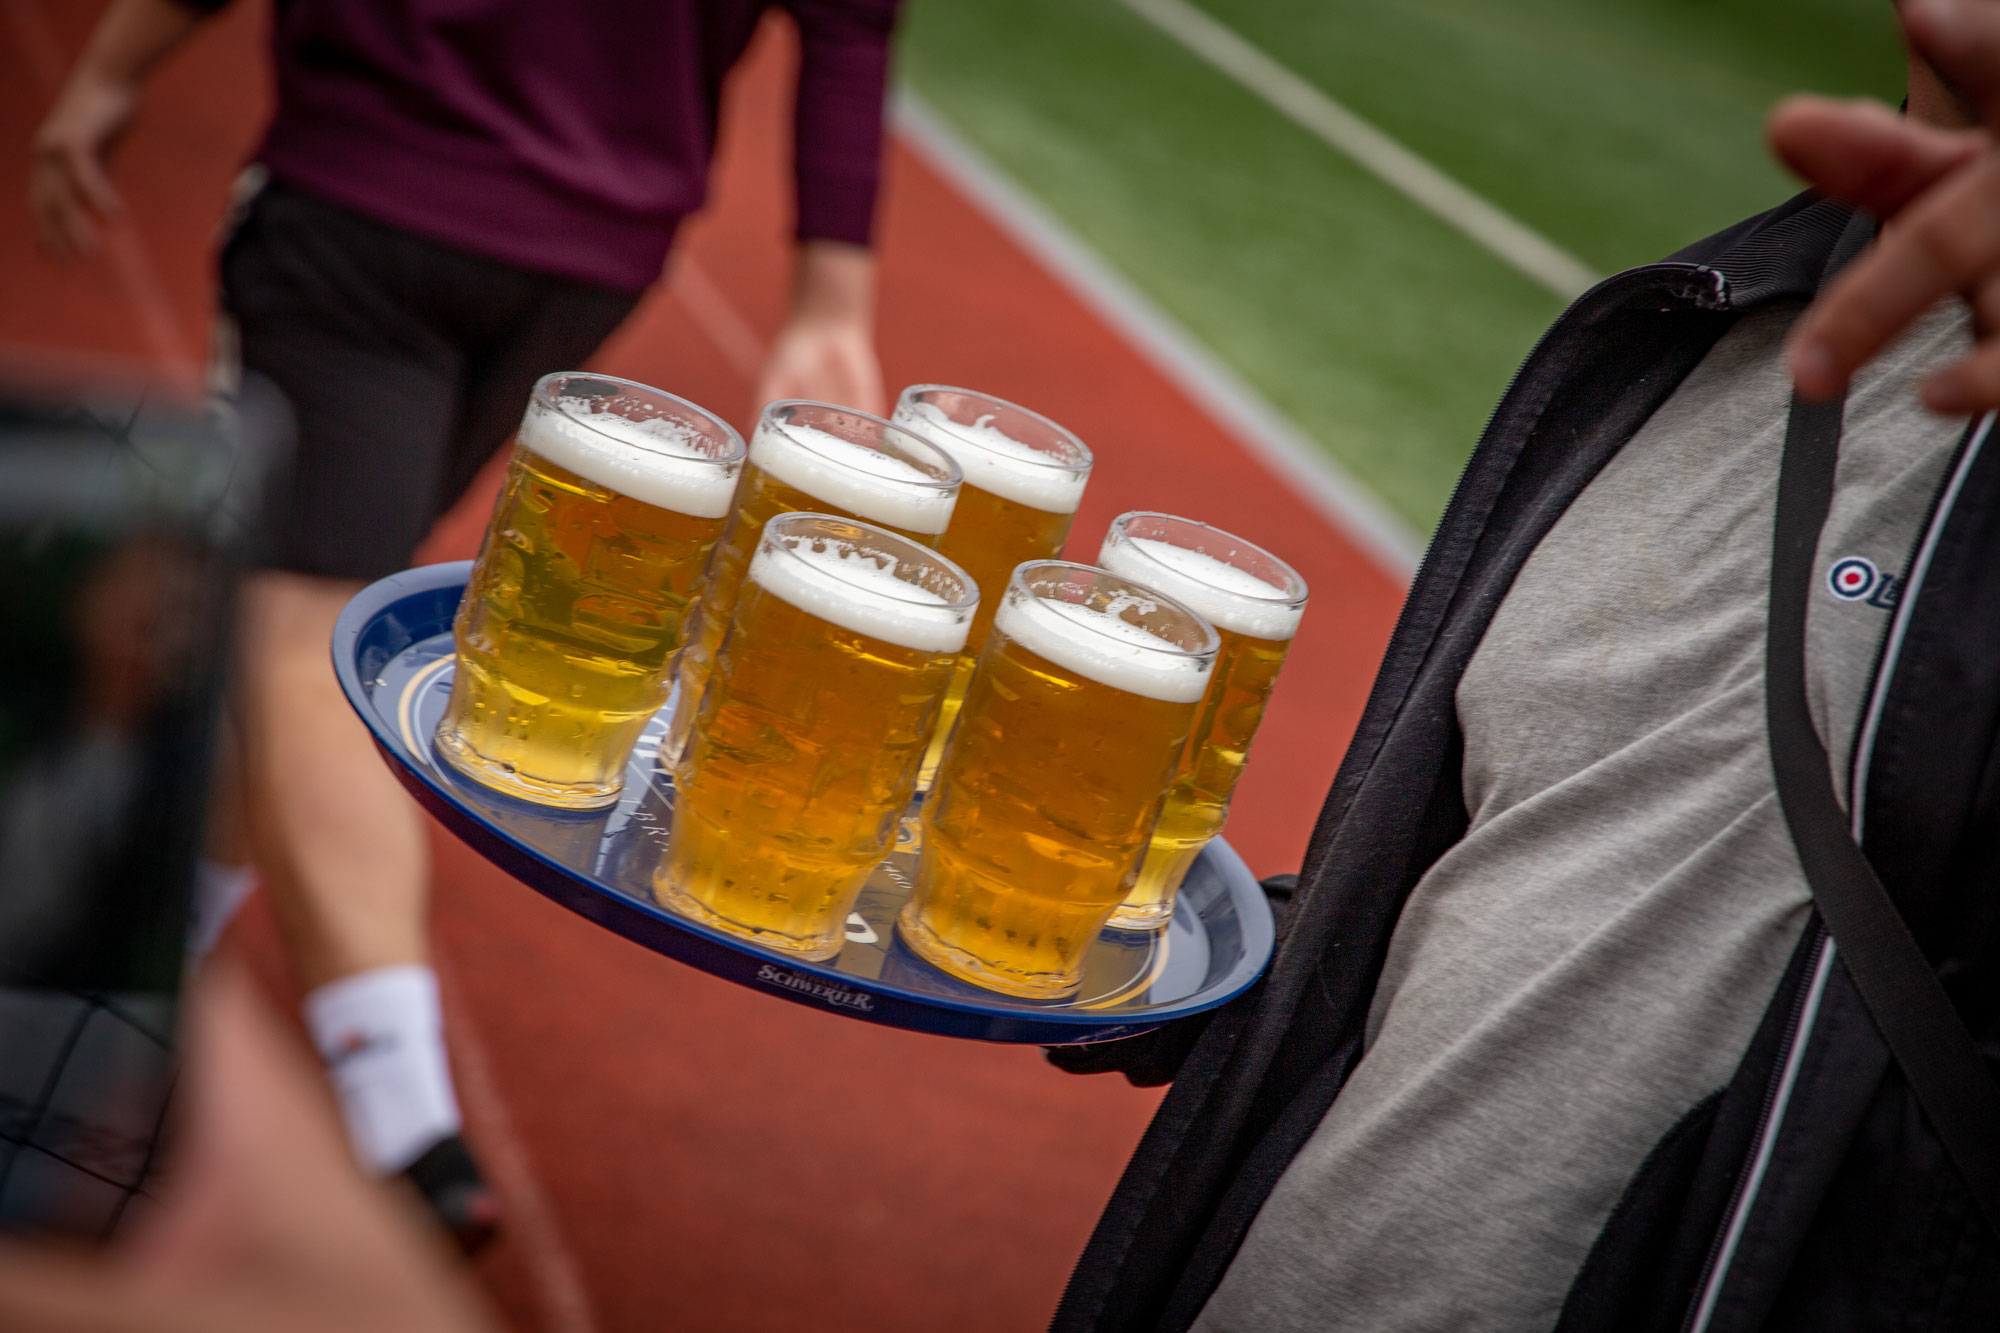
(566, 136)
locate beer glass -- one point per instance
(615, 497)
(1071, 731)
(816, 457)
(1024, 476)
(825, 692)
(1255, 602)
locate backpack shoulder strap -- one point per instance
(1904, 997)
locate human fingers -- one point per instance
(778, 377)
(62, 224)
(1967, 386)
(825, 361)
(789, 371)
(86, 168)
(840, 360)
(1961, 41)
(1863, 153)
(1947, 241)
(771, 386)
(854, 373)
(69, 186)
(1972, 383)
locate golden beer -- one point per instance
(1024, 477)
(615, 497)
(823, 459)
(1072, 729)
(1255, 602)
(811, 729)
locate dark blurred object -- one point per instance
(267, 1228)
(451, 1185)
(122, 521)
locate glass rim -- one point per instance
(965, 602)
(1286, 596)
(544, 392)
(1213, 639)
(956, 479)
(1083, 464)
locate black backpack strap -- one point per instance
(1916, 1018)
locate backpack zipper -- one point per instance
(1777, 1094)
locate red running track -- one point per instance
(674, 1150)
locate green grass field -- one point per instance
(1619, 129)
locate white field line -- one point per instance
(1341, 500)
(1510, 240)
(717, 317)
(130, 262)
(528, 1217)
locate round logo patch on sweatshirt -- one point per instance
(1852, 578)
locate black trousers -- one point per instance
(407, 363)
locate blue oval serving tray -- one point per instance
(392, 650)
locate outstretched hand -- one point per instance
(267, 1225)
(830, 360)
(69, 190)
(826, 349)
(1937, 192)
(69, 187)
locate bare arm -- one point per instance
(68, 190)
(826, 349)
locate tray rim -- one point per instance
(725, 956)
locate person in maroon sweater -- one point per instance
(453, 198)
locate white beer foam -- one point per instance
(1229, 598)
(995, 461)
(1103, 647)
(859, 591)
(853, 477)
(655, 462)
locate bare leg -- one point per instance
(228, 837)
(343, 857)
(340, 846)
(224, 878)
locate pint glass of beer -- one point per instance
(1024, 476)
(1072, 730)
(825, 692)
(615, 498)
(1255, 602)
(814, 457)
